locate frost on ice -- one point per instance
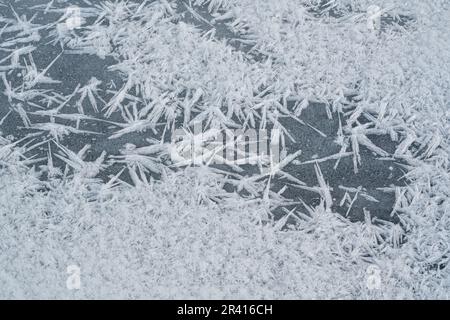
(354, 93)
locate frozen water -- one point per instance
(86, 116)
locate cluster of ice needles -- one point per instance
(89, 175)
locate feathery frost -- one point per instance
(144, 222)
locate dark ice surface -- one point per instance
(71, 69)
